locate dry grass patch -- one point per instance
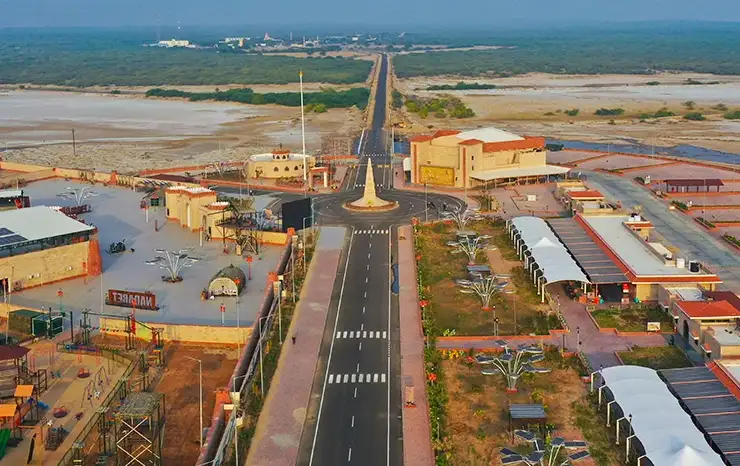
(478, 410)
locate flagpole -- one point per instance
(303, 136)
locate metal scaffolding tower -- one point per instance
(139, 430)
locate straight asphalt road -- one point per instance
(691, 239)
(357, 384)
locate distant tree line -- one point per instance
(440, 108)
(627, 49)
(95, 59)
(315, 101)
(461, 86)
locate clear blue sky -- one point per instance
(357, 12)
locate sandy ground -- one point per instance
(128, 134)
(520, 105)
(180, 387)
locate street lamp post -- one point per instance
(200, 395)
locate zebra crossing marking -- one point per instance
(373, 334)
(372, 232)
(356, 378)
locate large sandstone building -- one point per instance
(490, 156)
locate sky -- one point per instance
(407, 14)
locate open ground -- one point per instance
(534, 104)
(116, 213)
(129, 133)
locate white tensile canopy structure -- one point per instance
(552, 260)
(666, 432)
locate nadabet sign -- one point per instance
(132, 299)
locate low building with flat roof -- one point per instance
(709, 326)
(40, 245)
(485, 156)
(278, 164)
(647, 265)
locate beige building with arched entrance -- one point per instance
(278, 164)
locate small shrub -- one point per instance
(689, 104)
(609, 112)
(694, 116)
(572, 112)
(652, 83)
(732, 115)
(680, 206)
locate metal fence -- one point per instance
(115, 394)
(268, 314)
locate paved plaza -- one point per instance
(117, 214)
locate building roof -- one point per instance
(666, 432)
(36, 223)
(518, 172)
(600, 268)
(489, 135)
(547, 250)
(689, 182)
(586, 194)
(728, 296)
(613, 235)
(709, 396)
(10, 193)
(708, 309)
(13, 352)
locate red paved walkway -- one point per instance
(280, 425)
(417, 446)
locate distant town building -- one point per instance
(174, 43)
(278, 164)
(486, 156)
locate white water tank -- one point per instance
(680, 263)
(531, 197)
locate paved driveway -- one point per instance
(676, 227)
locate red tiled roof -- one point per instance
(445, 132)
(526, 143)
(706, 348)
(421, 138)
(471, 142)
(727, 379)
(708, 309)
(728, 296)
(585, 194)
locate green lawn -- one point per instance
(661, 357)
(633, 318)
(453, 310)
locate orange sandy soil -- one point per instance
(478, 416)
(179, 383)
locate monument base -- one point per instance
(388, 206)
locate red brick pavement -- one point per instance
(417, 445)
(280, 425)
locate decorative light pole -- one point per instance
(471, 246)
(173, 262)
(485, 288)
(513, 364)
(78, 195)
(545, 453)
(461, 217)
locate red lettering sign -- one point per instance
(134, 299)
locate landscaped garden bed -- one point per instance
(659, 357)
(633, 318)
(680, 206)
(518, 313)
(706, 223)
(732, 240)
(477, 410)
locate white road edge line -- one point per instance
(349, 455)
(331, 350)
(353, 421)
(388, 410)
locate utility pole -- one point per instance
(303, 138)
(74, 143)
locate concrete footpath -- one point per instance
(281, 422)
(417, 444)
